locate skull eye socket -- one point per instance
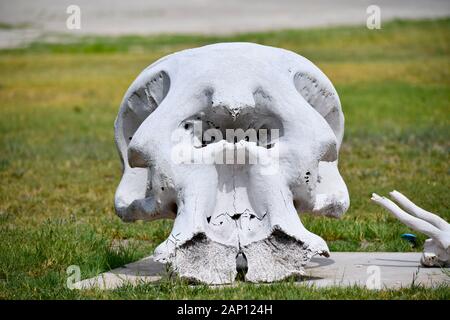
(139, 104)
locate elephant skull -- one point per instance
(232, 140)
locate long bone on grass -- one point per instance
(436, 248)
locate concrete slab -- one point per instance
(395, 269)
(143, 271)
(375, 270)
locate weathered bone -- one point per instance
(420, 213)
(231, 216)
(437, 249)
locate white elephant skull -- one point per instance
(229, 215)
(436, 250)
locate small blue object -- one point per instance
(410, 238)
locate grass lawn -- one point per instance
(59, 167)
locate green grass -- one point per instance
(59, 167)
(10, 26)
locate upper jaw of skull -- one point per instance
(241, 156)
(236, 186)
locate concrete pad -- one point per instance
(395, 270)
(143, 271)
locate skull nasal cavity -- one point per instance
(136, 157)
